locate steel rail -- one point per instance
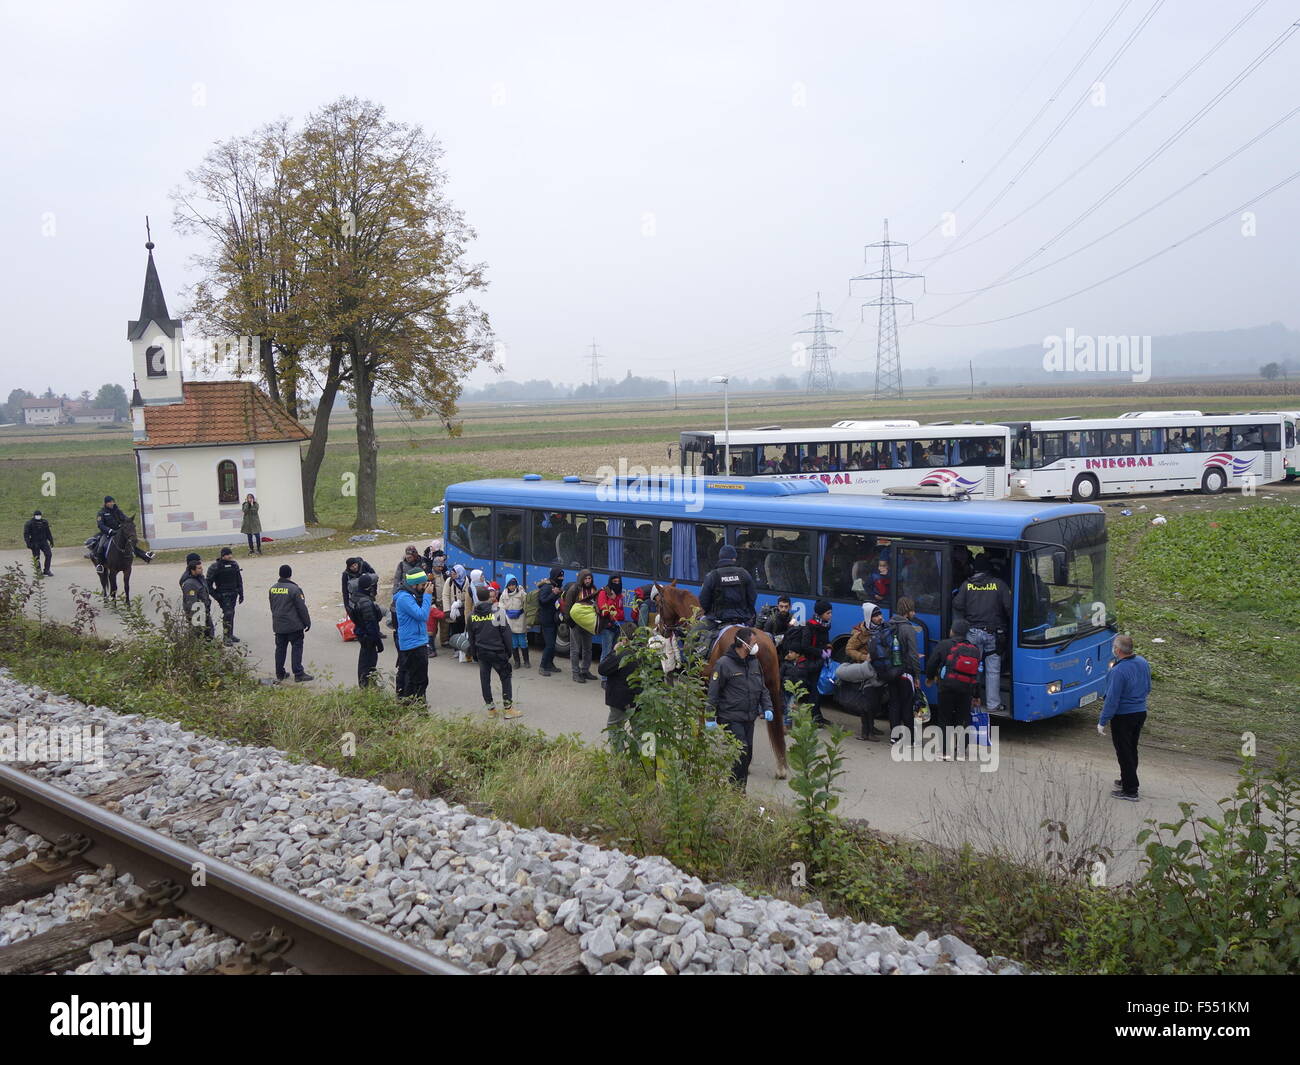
(319, 941)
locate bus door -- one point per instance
(508, 547)
(922, 573)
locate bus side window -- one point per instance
(1290, 434)
(1150, 441)
(1270, 437)
(743, 463)
(1117, 442)
(994, 451)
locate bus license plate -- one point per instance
(1091, 697)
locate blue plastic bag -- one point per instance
(826, 679)
(979, 728)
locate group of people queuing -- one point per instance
(432, 605)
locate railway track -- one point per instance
(277, 929)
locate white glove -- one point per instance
(1101, 730)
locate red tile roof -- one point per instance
(219, 412)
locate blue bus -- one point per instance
(800, 540)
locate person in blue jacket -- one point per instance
(411, 604)
(1125, 709)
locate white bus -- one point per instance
(1146, 452)
(860, 456)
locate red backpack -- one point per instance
(961, 669)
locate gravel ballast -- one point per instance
(484, 893)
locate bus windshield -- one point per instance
(1063, 585)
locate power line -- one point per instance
(1056, 131)
(1128, 269)
(987, 133)
(1141, 214)
(1092, 47)
(1169, 141)
(1105, 147)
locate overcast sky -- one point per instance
(680, 180)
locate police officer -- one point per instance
(195, 601)
(290, 622)
(108, 521)
(984, 601)
(737, 695)
(226, 582)
(729, 594)
(39, 540)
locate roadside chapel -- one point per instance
(201, 447)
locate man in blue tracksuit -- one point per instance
(412, 604)
(1125, 708)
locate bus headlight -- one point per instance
(1054, 688)
(1021, 483)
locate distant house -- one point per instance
(44, 411)
(92, 416)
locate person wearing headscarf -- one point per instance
(512, 602)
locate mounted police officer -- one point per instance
(109, 520)
(729, 595)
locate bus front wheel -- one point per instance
(562, 640)
(1085, 489)
(1213, 481)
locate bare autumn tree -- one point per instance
(252, 265)
(388, 278)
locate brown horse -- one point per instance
(678, 606)
(118, 559)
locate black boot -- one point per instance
(516, 656)
(527, 664)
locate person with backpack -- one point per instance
(737, 696)
(806, 649)
(411, 605)
(984, 600)
(582, 591)
(776, 620)
(954, 664)
(895, 658)
(352, 570)
(365, 616)
(512, 602)
(226, 583)
(40, 541)
(489, 643)
(617, 668)
(548, 602)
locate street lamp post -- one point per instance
(726, 423)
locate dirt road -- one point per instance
(1052, 769)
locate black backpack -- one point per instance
(886, 653)
(961, 667)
